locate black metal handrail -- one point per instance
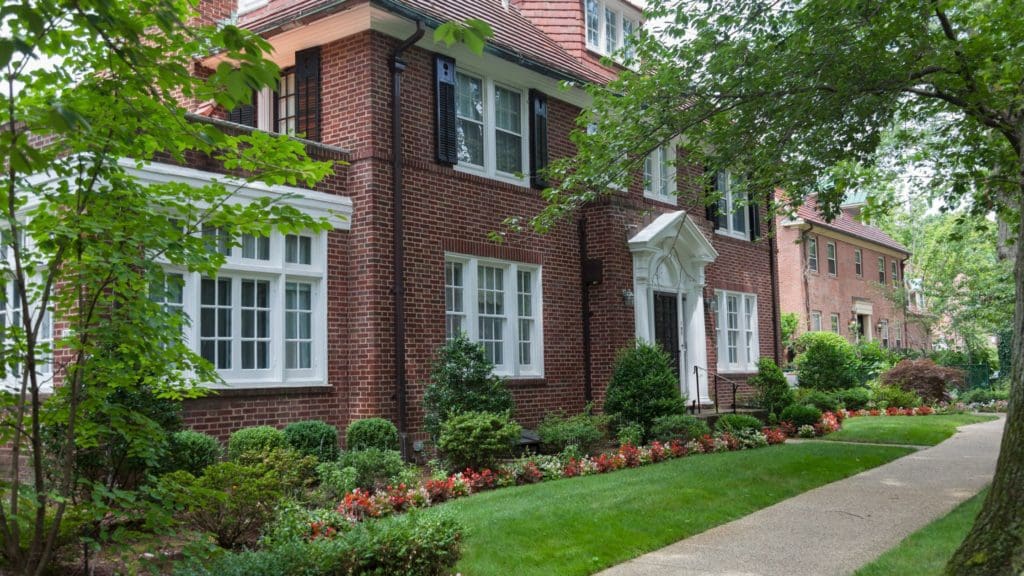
(714, 377)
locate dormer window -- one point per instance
(609, 26)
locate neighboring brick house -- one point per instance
(844, 276)
(551, 310)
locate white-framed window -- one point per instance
(285, 104)
(830, 256)
(498, 304)
(815, 321)
(858, 262)
(881, 270)
(660, 174)
(898, 336)
(895, 273)
(261, 321)
(812, 254)
(250, 5)
(738, 348)
(884, 329)
(491, 124)
(609, 25)
(733, 216)
(833, 320)
(11, 321)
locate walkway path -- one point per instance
(837, 528)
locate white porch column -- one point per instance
(697, 346)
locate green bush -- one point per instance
(462, 380)
(737, 423)
(191, 451)
(678, 427)
(477, 439)
(824, 401)
(371, 433)
(413, 544)
(631, 434)
(853, 398)
(255, 439)
(584, 431)
(375, 468)
(643, 387)
(894, 397)
(336, 480)
(872, 360)
(985, 395)
(925, 378)
(313, 438)
(773, 390)
(827, 361)
(800, 415)
(294, 470)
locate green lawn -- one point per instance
(581, 525)
(917, 430)
(926, 551)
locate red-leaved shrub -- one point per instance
(929, 380)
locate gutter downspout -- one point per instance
(398, 231)
(774, 271)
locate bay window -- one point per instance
(497, 304)
(738, 348)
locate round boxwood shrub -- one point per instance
(737, 423)
(261, 439)
(678, 427)
(643, 387)
(894, 397)
(191, 451)
(824, 401)
(477, 439)
(462, 380)
(801, 415)
(584, 431)
(853, 398)
(773, 390)
(374, 468)
(827, 361)
(313, 438)
(371, 433)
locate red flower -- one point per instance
(630, 455)
(678, 448)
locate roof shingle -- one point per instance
(847, 224)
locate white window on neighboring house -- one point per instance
(609, 25)
(497, 304)
(898, 336)
(812, 254)
(895, 268)
(858, 262)
(738, 347)
(834, 322)
(815, 321)
(733, 215)
(881, 270)
(490, 127)
(830, 255)
(660, 174)
(884, 328)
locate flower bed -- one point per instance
(919, 411)
(360, 505)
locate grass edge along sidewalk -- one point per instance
(921, 431)
(586, 524)
(925, 552)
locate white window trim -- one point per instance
(815, 321)
(655, 184)
(489, 169)
(832, 260)
(884, 333)
(833, 323)
(510, 338)
(812, 254)
(45, 336)
(858, 262)
(881, 270)
(894, 272)
(246, 6)
(730, 207)
(746, 357)
(622, 13)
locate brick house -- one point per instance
(345, 324)
(846, 277)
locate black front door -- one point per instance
(666, 325)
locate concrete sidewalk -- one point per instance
(839, 527)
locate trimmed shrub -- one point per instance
(800, 415)
(737, 423)
(462, 380)
(643, 387)
(678, 427)
(984, 395)
(260, 439)
(925, 378)
(894, 397)
(824, 401)
(336, 480)
(584, 431)
(477, 439)
(371, 433)
(375, 468)
(631, 434)
(872, 360)
(313, 438)
(191, 451)
(853, 398)
(827, 361)
(294, 471)
(773, 390)
(413, 544)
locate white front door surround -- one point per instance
(669, 256)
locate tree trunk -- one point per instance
(995, 545)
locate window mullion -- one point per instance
(511, 340)
(470, 298)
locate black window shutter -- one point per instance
(755, 220)
(711, 209)
(244, 114)
(307, 93)
(538, 138)
(444, 111)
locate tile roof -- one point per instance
(515, 37)
(847, 224)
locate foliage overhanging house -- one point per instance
(341, 336)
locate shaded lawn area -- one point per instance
(917, 430)
(925, 552)
(581, 525)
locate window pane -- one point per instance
(649, 173)
(298, 249)
(255, 332)
(611, 25)
(508, 110)
(593, 33)
(469, 100)
(491, 310)
(298, 325)
(524, 301)
(509, 152)
(665, 167)
(215, 331)
(453, 300)
(255, 247)
(739, 214)
(284, 104)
